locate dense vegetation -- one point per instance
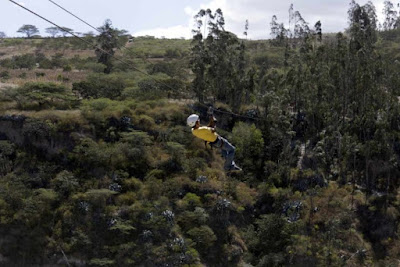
(98, 168)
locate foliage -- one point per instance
(38, 96)
(107, 41)
(203, 237)
(117, 179)
(5, 75)
(98, 85)
(249, 147)
(53, 31)
(29, 30)
(268, 239)
(26, 61)
(95, 67)
(391, 20)
(171, 69)
(218, 62)
(65, 31)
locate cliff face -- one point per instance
(35, 134)
(10, 128)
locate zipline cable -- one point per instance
(119, 59)
(87, 23)
(90, 44)
(91, 26)
(72, 14)
(231, 113)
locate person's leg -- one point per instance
(228, 152)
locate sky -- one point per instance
(174, 18)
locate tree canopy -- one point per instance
(29, 30)
(107, 41)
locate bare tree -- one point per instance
(246, 28)
(390, 16)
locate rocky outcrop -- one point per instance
(35, 134)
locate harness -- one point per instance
(213, 120)
(213, 144)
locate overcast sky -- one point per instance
(174, 18)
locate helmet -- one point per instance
(192, 119)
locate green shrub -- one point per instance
(191, 201)
(6, 148)
(13, 42)
(98, 111)
(203, 237)
(100, 104)
(94, 66)
(151, 89)
(163, 67)
(98, 197)
(44, 88)
(45, 64)
(270, 237)
(62, 78)
(39, 57)
(249, 146)
(146, 122)
(130, 92)
(269, 60)
(65, 183)
(26, 61)
(188, 219)
(58, 60)
(7, 63)
(102, 262)
(67, 68)
(40, 74)
(38, 96)
(43, 61)
(173, 87)
(22, 75)
(5, 75)
(100, 85)
(173, 53)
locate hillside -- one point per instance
(101, 169)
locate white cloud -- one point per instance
(177, 31)
(189, 10)
(331, 13)
(21, 3)
(170, 32)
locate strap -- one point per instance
(218, 139)
(205, 144)
(222, 142)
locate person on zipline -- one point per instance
(209, 135)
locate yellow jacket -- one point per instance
(205, 133)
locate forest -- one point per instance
(98, 166)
